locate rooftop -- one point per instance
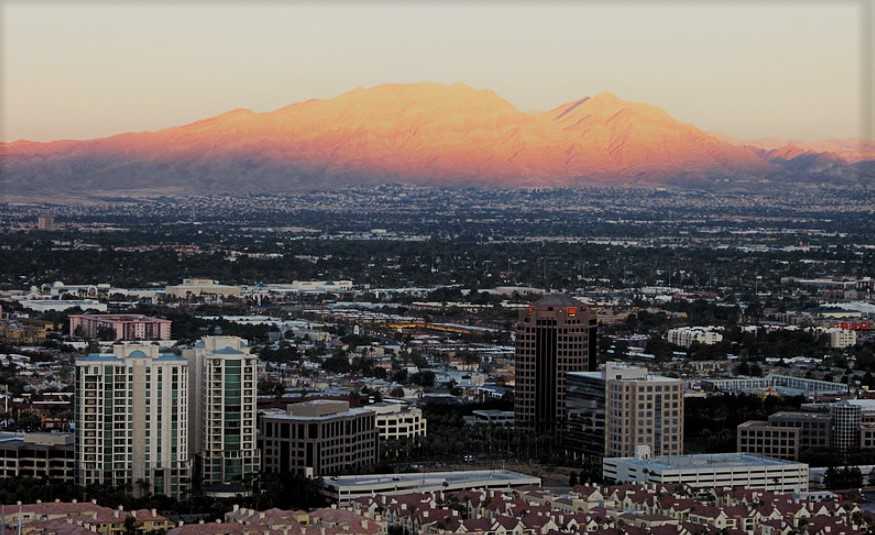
(429, 478)
(701, 461)
(557, 300)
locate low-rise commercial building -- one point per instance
(709, 471)
(317, 438)
(783, 384)
(45, 456)
(60, 305)
(202, 287)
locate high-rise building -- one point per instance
(131, 413)
(643, 412)
(223, 410)
(554, 336)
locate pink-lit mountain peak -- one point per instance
(422, 133)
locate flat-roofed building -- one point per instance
(45, 456)
(784, 384)
(815, 428)
(345, 488)
(761, 438)
(397, 421)
(841, 338)
(687, 336)
(202, 287)
(120, 326)
(710, 471)
(318, 438)
(60, 305)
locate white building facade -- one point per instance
(131, 413)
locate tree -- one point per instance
(105, 334)
(130, 525)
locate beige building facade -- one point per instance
(643, 413)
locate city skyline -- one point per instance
(746, 71)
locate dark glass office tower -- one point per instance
(556, 335)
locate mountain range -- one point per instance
(429, 134)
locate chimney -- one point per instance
(39, 501)
(154, 512)
(236, 508)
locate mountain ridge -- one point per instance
(430, 134)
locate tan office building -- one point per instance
(318, 438)
(644, 413)
(131, 413)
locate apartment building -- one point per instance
(396, 421)
(687, 336)
(45, 456)
(318, 438)
(642, 410)
(131, 412)
(554, 336)
(122, 326)
(841, 338)
(223, 378)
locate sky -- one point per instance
(742, 69)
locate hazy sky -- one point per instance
(742, 69)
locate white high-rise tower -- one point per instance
(132, 420)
